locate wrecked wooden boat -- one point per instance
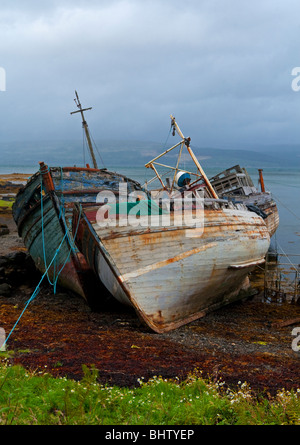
(236, 185)
(172, 269)
(43, 214)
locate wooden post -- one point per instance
(261, 180)
(47, 178)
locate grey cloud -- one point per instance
(222, 67)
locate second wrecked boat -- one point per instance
(169, 269)
(236, 185)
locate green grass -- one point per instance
(28, 398)
(4, 203)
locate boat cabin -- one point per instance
(234, 181)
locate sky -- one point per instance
(223, 68)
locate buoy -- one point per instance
(182, 179)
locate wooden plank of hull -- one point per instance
(71, 185)
(173, 275)
(272, 220)
(31, 232)
(235, 183)
(264, 202)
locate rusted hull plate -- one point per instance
(173, 275)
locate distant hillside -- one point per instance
(137, 153)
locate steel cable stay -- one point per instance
(271, 181)
(296, 216)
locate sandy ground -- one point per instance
(247, 341)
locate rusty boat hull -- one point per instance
(266, 205)
(43, 214)
(236, 185)
(174, 274)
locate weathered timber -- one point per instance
(174, 273)
(43, 214)
(235, 184)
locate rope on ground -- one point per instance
(37, 289)
(35, 293)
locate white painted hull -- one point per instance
(173, 275)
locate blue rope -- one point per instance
(71, 241)
(37, 289)
(62, 213)
(43, 235)
(70, 250)
(35, 293)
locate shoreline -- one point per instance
(246, 341)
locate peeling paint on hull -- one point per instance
(71, 185)
(266, 204)
(235, 184)
(173, 275)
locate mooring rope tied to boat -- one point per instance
(71, 242)
(37, 289)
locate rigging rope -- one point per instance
(271, 181)
(293, 265)
(85, 146)
(296, 216)
(168, 136)
(98, 151)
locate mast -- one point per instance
(187, 144)
(85, 126)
